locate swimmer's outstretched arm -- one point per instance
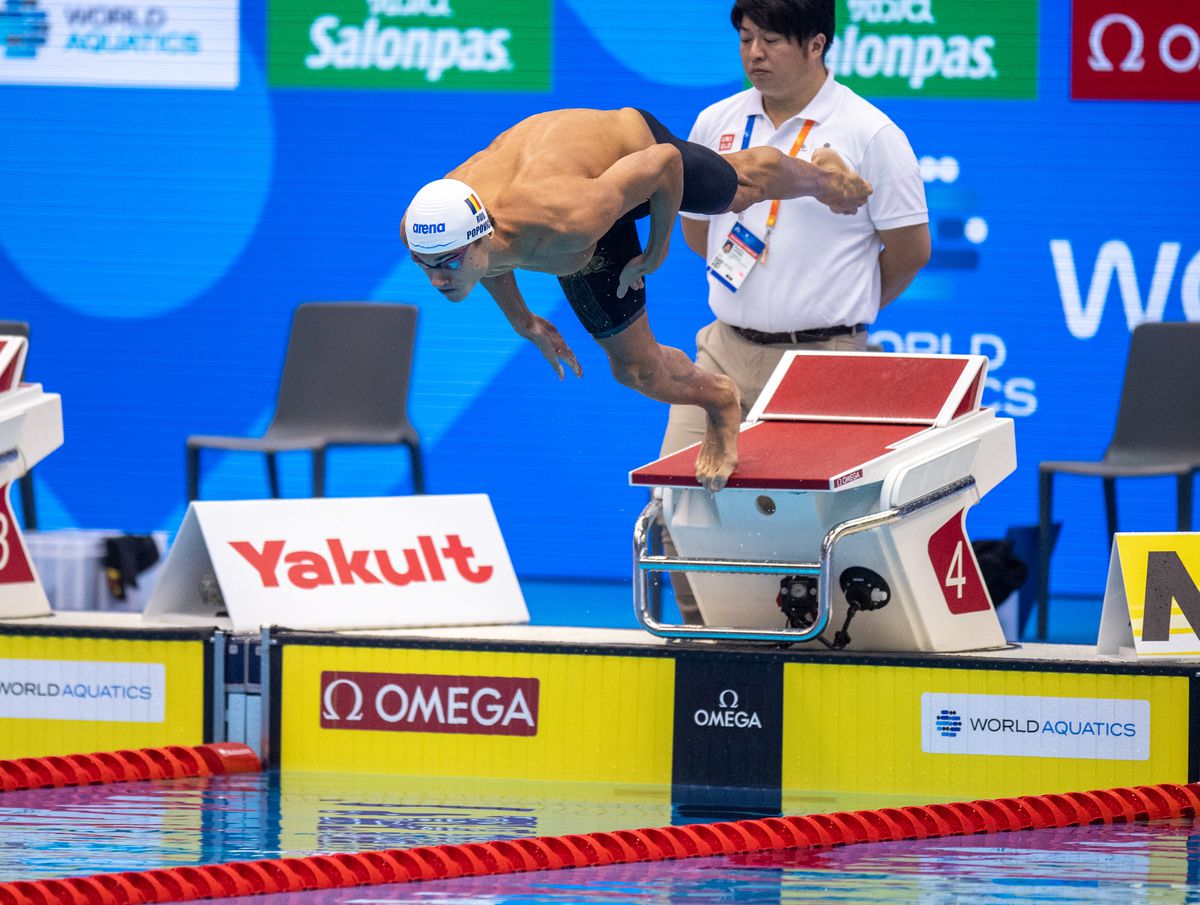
(537, 330)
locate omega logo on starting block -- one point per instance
(1152, 597)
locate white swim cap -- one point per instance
(446, 214)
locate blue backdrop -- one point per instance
(158, 241)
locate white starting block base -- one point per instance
(30, 429)
(856, 473)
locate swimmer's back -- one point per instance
(559, 144)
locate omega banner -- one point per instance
(1125, 50)
(388, 562)
(466, 705)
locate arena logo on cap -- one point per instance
(937, 48)
(459, 45)
(427, 229)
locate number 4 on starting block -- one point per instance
(1152, 598)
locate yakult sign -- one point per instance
(1135, 51)
(341, 563)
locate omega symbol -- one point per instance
(1134, 60)
(355, 712)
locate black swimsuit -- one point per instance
(709, 186)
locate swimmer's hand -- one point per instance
(553, 347)
(632, 273)
(845, 191)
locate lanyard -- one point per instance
(796, 146)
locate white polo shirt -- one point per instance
(822, 268)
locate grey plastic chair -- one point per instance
(1157, 435)
(25, 482)
(345, 383)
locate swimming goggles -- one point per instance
(453, 262)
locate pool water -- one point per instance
(138, 826)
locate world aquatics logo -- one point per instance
(948, 723)
(23, 29)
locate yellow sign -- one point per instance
(470, 713)
(883, 729)
(1152, 597)
(76, 695)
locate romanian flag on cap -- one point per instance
(474, 204)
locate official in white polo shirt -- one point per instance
(792, 274)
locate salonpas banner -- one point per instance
(973, 49)
(472, 45)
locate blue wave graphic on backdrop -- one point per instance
(685, 49)
(461, 349)
(166, 221)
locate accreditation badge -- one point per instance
(736, 257)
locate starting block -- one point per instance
(845, 521)
(30, 429)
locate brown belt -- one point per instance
(796, 336)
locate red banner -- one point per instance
(1131, 50)
(409, 702)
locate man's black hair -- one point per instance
(797, 19)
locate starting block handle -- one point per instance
(644, 564)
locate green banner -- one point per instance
(973, 49)
(448, 45)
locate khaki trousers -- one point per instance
(720, 350)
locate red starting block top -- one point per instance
(823, 416)
(12, 361)
(869, 386)
(785, 455)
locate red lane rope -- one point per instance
(436, 862)
(167, 762)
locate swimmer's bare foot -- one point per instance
(845, 191)
(718, 452)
